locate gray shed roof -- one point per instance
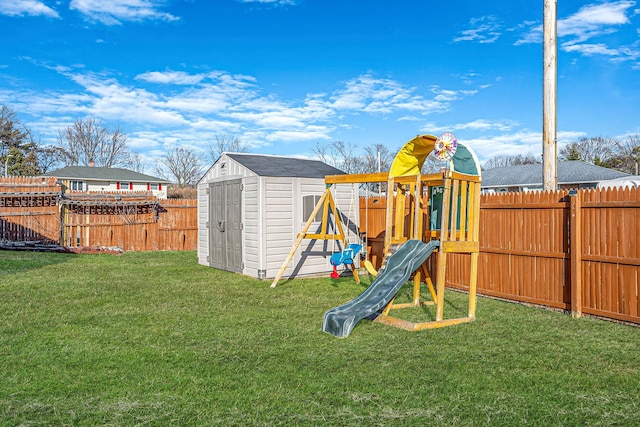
(103, 174)
(277, 166)
(569, 172)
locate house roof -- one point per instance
(277, 166)
(569, 172)
(103, 174)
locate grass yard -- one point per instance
(156, 339)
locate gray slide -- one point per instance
(341, 320)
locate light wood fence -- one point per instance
(34, 209)
(577, 251)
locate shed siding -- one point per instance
(251, 226)
(203, 217)
(224, 167)
(231, 170)
(279, 226)
(272, 217)
(312, 256)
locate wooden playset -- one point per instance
(441, 206)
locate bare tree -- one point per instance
(136, 163)
(324, 154)
(513, 160)
(49, 157)
(226, 144)
(181, 165)
(627, 153)
(377, 158)
(596, 150)
(87, 140)
(339, 155)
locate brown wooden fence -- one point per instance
(29, 209)
(34, 209)
(577, 251)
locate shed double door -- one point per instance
(225, 225)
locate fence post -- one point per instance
(575, 248)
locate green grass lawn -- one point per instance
(156, 339)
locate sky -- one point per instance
(286, 75)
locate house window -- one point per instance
(124, 185)
(153, 187)
(308, 203)
(77, 186)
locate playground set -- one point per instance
(443, 218)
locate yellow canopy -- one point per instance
(412, 155)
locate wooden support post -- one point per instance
(442, 255)
(474, 233)
(473, 284)
(389, 218)
(301, 236)
(575, 249)
(401, 195)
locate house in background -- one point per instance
(90, 179)
(251, 208)
(571, 174)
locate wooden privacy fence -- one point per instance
(570, 250)
(29, 209)
(34, 209)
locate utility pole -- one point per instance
(550, 96)
(6, 165)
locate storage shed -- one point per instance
(251, 208)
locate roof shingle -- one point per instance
(276, 166)
(569, 172)
(103, 174)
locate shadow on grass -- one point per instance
(18, 262)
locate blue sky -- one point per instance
(284, 75)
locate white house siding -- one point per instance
(99, 186)
(112, 186)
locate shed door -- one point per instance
(225, 225)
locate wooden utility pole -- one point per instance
(549, 98)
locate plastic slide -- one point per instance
(341, 320)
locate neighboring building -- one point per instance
(571, 174)
(252, 207)
(631, 181)
(90, 179)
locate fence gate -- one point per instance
(225, 225)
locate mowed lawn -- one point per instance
(156, 339)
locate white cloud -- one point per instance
(113, 12)
(485, 29)
(594, 20)
(369, 94)
(170, 77)
(26, 7)
(164, 109)
(591, 21)
(272, 2)
(475, 127)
